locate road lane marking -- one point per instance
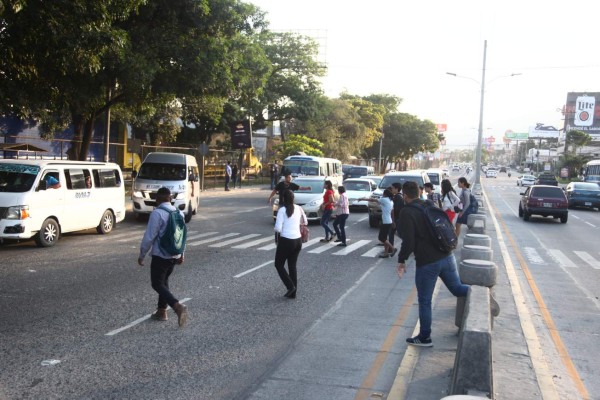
(540, 366)
(562, 259)
(192, 237)
(139, 320)
(533, 256)
(213, 239)
(349, 249)
(374, 252)
(238, 239)
(592, 225)
(322, 249)
(254, 242)
(585, 256)
(253, 269)
(271, 246)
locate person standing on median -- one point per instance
(227, 175)
(431, 262)
(162, 264)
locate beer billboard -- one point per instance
(582, 113)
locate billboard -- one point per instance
(541, 131)
(241, 135)
(582, 113)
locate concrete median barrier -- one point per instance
(478, 272)
(471, 251)
(472, 218)
(473, 363)
(477, 240)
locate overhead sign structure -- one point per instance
(582, 113)
(241, 135)
(541, 131)
(516, 135)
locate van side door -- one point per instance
(48, 199)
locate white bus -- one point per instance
(46, 198)
(330, 168)
(591, 171)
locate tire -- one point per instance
(526, 216)
(564, 218)
(373, 221)
(188, 216)
(48, 234)
(107, 223)
(520, 211)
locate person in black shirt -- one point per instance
(396, 188)
(431, 262)
(284, 185)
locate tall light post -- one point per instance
(480, 129)
(380, 146)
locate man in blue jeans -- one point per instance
(431, 262)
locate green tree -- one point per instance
(299, 143)
(577, 139)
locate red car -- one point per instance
(544, 200)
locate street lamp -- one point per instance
(480, 129)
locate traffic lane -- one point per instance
(568, 285)
(222, 303)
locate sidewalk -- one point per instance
(426, 373)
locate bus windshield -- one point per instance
(162, 172)
(17, 178)
(592, 171)
(301, 167)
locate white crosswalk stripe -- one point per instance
(213, 239)
(374, 252)
(324, 248)
(231, 241)
(200, 235)
(352, 247)
(562, 259)
(533, 256)
(254, 242)
(585, 256)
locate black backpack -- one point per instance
(172, 241)
(474, 203)
(439, 226)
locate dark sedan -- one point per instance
(546, 179)
(583, 194)
(544, 200)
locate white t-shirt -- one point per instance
(289, 228)
(450, 201)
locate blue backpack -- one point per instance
(439, 226)
(172, 241)
(474, 203)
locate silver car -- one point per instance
(309, 199)
(525, 180)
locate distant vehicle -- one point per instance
(418, 176)
(357, 188)
(345, 169)
(526, 170)
(591, 171)
(435, 177)
(525, 180)
(583, 194)
(359, 170)
(446, 172)
(491, 173)
(545, 201)
(309, 199)
(299, 166)
(375, 178)
(546, 179)
(455, 167)
(502, 169)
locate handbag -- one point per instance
(304, 233)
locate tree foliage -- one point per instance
(299, 143)
(578, 139)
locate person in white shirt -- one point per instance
(343, 211)
(289, 241)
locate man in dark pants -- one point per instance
(398, 204)
(162, 263)
(430, 260)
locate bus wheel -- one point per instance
(107, 223)
(48, 234)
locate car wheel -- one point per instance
(188, 216)
(520, 211)
(526, 216)
(48, 234)
(373, 221)
(564, 218)
(107, 223)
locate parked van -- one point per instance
(46, 198)
(359, 170)
(178, 172)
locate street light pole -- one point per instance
(380, 146)
(480, 131)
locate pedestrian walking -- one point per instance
(234, 175)
(274, 171)
(289, 241)
(327, 208)
(431, 262)
(398, 203)
(163, 263)
(432, 196)
(450, 201)
(465, 199)
(387, 205)
(284, 185)
(343, 212)
(227, 175)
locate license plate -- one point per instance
(549, 205)
(587, 203)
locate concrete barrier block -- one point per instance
(460, 311)
(463, 397)
(477, 239)
(478, 272)
(472, 218)
(477, 227)
(473, 362)
(472, 251)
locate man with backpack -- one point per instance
(427, 232)
(165, 234)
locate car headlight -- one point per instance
(137, 193)
(180, 196)
(315, 203)
(17, 212)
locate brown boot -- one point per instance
(160, 314)
(181, 312)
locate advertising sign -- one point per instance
(582, 113)
(516, 135)
(241, 135)
(441, 127)
(541, 131)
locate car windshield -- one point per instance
(315, 186)
(358, 186)
(434, 178)
(547, 192)
(529, 177)
(358, 171)
(586, 186)
(162, 172)
(17, 178)
(388, 180)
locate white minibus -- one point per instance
(178, 172)
(46, 198)
(330, 168)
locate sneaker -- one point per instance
(337, 240)
(384, 255)
(394, 252)
(417, 341)
(324, 240)
(332, 237)
(342, 245)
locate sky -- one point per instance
(405, 48)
